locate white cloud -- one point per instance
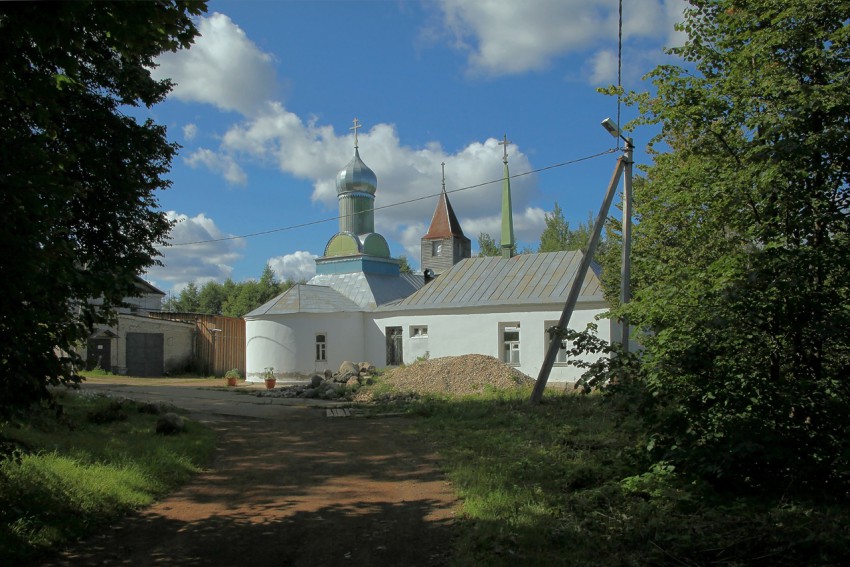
(221, 163)
(528, 224)
(223, 67)
(504, 38)
(190, 131)
(603, 67)
(405, 174)
(195, 262)
(296, 267)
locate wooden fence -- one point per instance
(219, 341)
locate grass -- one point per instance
(100, 461)
(561, 483)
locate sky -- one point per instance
(264, 103)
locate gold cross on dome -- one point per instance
(505, 143)
(355, 127)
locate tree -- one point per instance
(556, 235)
(741, 258)
(487, 246)
(211, 297)
(78, 211)
(404, 266)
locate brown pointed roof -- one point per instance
(444, 223)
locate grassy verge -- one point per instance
(103, 459)
(560, 484)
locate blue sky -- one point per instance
(265, 100)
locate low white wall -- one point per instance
(287, 343)
(477, 331)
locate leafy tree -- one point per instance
(487, 246)
(741, 258)
(78, 212)
(556, 236)
(211, 297)
(190, 299)
(404, 266)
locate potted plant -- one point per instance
(269, 378)
(232, 376)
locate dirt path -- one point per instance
(301, 489)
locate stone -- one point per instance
(353, 382)
(366, 367)
(348, 368)
(170, 424)
(328, 374)
(315, 380)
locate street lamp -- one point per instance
(624, 163)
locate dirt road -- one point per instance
(288, 486)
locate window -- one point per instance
(510, 342)
(321, 348)
(436, 248)
(418, 331)
(561, 358)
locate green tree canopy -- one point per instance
(741, 258)
(558, 236)
(487, 246)
(78, 210)
(229, 299)
(404, 265)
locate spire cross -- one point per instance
(505, 143)
(443, 165)
(355, 127)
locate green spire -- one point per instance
(508, 243)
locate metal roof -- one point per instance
(526, 279)
(370, 290)
(444, 223)
(337, 293)
(306, 298)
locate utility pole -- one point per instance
(624, 163)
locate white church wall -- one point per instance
(287, 343)
(457, 332)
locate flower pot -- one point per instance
(270, 382)
(231, 380)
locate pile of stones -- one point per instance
(330, 385)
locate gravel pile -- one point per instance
(454, 375)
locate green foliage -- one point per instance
(741, 258)
(487, 246)
(558, 484)
(404, 266)
(558, 236)
(229, 299)
(78, 211)
(76, 476)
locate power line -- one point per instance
(429, 196)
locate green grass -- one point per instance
(70, 476)
(561, 483)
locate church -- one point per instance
(360, 307)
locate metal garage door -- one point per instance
(145, 354)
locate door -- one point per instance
(99, 354)
(395, 355)
(145, 354)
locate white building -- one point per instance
(359, 307)
(138, 345)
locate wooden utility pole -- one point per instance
(623, 163)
